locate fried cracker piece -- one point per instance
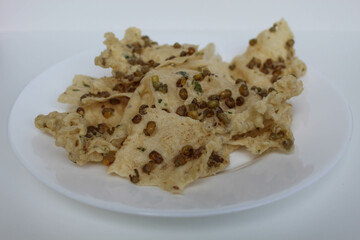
(159, 159)
(269, 57)
(266, 123)
(84, 143)
(136, 52)
(86, 90)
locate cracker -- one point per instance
(171, 114)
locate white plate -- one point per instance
(322, 127)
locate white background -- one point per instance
(34, 35)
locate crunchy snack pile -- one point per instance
(171, 114)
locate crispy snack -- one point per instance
(269, 57)
(171, 114)
(170, 159)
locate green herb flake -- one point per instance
(82, 140)
(141, 149)
(106, 150)
(229, 112)
(86, 85)
(75, 90)
(184, 74)
(258, 150)
(197, 87)
(160, 100)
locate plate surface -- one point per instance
(322, 128)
